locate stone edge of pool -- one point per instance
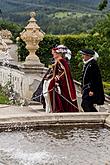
(54, 119)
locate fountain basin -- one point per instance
(33, 137)
(59, 145)
(33, 119)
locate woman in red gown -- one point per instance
(61, 88)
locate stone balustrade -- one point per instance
(23, 83)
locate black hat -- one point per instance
(87, 52)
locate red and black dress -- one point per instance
(65, 99)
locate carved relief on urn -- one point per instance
(32, 36)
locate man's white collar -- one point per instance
(85, 62)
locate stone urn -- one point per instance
(32, 35)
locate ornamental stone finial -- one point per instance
(32, 14)
(6, 36)
(32, 36)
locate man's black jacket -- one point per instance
(92, 81)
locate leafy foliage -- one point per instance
(46, 46)
(22, 51)
(3, 97)
(107, 87)
(103, 4)
(103, 45)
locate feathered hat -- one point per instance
(64, 50)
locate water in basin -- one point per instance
(58, 146)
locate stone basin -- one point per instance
(29, 136)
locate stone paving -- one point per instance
(12, 115)
(7, 110)
(34, 114)
(12, 110)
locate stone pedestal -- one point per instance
(31, 78)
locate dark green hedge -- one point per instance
(74, 43)
(45, 47)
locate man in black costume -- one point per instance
(92, 87)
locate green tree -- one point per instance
(102, 32)
(103, 4)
